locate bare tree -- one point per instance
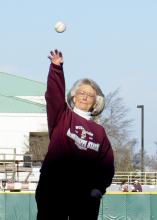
(118, 128)
(37, 145)
(137, 161)
(156, 149)
(153, 160)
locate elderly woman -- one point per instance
(79, 164)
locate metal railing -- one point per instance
(12, 164)
(25, 170)
(19, 174)
(18, 166)
(145, 178)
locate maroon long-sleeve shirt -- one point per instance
(79, 149)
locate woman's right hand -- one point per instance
(56, 57)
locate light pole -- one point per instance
(142, 136)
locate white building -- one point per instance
(22, 111)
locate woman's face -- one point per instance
(85, 98)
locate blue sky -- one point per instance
(111, 41)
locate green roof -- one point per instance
(17, 105)
(13, 85)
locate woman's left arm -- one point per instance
(106, 165)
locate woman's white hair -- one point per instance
(100, 99)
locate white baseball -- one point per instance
(60, 27)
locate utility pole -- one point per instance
(142, 136)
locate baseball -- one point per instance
(60, 27)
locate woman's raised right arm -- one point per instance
(55, 93)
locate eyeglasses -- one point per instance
(83, 94)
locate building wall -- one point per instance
(15, 129)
